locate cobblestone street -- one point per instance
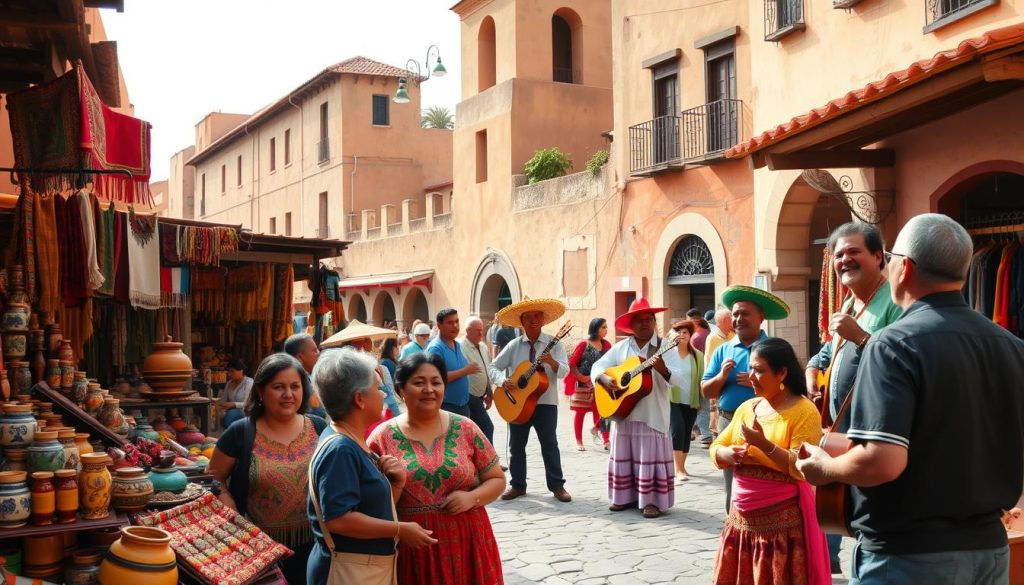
(582, 542)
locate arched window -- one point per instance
(565, 46)
(486, 52)
(691, 263)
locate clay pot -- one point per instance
(16, 506)
(102, 538)
(167, 368)
(168, 480)
(17, 425)
(66, 352)
(16, 317)
(93, 401)
(53, 339)
(66, 485)
(67, 373)
(94, 486)
(142, 555)
(131, 489)
(14, 459)
(45, 453)
(72, 457)
(177, 423)
(44, 498)
(79, 388)
(84, 568)
(190, 435)
(82, 441)
(5, 385)
(15, 345)
(44, 556)
(112, 417)
(53, 373)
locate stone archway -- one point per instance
(415, 307)
(357, 307)
(681, 227)
(494, 270)
(383, 309)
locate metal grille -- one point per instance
(691, 262)
(781, 16)
(654, 142)
(940, 9)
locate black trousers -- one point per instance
(544, 421)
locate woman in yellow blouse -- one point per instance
(772, 533)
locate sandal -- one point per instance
(580, 447)
(607, 446)
(651, 511)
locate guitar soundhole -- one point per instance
(625, 379)
(523, 381)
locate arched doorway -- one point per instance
(415, 307)
(357, 308)
(384, 313)
(495, 285)
(690, 278)
(486, 55)
(495, 296)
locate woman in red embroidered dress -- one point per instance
(452, 472)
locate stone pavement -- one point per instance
(542, 540)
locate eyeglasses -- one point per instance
(888, 257)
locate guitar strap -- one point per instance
(826, 412)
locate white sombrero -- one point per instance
(357, 330)
(511, 315)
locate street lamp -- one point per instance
(402, 95)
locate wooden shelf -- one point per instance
(115, 520)
(83, 420)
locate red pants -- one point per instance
(577, 423)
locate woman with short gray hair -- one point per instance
(352, 491)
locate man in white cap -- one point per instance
(418, 341)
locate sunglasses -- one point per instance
(888, 257)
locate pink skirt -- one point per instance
(640, 467)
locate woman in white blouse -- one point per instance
(687, 367)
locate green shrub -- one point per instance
(547, 163)
(597, 161)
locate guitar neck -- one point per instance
(654, 358)
(536, 362)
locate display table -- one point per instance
(202, 409)
(115, 520)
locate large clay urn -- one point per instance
(167, 369)
(142, 555)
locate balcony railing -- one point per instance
(941, 12)
(323, 151)
(711, 129)
(565, 75)
(654, 142)
(782, 17)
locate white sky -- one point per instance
(183, 59)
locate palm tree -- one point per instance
(437, 117)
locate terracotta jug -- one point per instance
(141, 555)
(44, 556)
(44, 498)
(167, 357)
(66, 485)
(94, 486)
(66, 352)
(131, 489)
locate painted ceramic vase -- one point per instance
(15, 499)
(112, 417)
(168, 480)
(5, 385)
(94, 486)
(79, 387)
(45, 453)
(15, 345)
(44, 556)
(141, 555)
(66, 352)
(22, 378)
(67, 373)
(82, 441)
(16, 317)
(17, 425)
(190, 435)
(145, 430)
(53, 339)
(93, 401)
(14, 459)
(66, 486)
(66, 438)
(44, 498)
(131, 489)
(53, 373)
(84, 568)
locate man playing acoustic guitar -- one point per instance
(640, 468)
(532, 315)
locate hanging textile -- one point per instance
(831, 296)
(107, 246)
(94, 278)
(284, 281)
(174, 287)
(208, 287)
(995, 283)
(63, 124)
(71, 246)
(143, 261)
(47, 254)
(21, 251)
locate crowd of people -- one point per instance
(385, 478)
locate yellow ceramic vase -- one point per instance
(94, 486)
(141, 555)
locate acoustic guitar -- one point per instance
(832, 501)
(529, 383)
(628, 383)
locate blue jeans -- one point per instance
(230, 417)
(976, 567)
(835, 541)
(704, 420)
(545, 421)
(462, 409)
(479, 415)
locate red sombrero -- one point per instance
(624, 322)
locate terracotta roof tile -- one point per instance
(363, 66)
(897, 81)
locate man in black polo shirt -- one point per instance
(928, 496)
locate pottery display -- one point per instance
(112, 417)
(101, 538)
(84, 568)
(43, 556)
(15, 499)
(45, 453)
(17, 425)
(5, 385)
(141, 555)
(38, 359)
(168, 480)
(167, 368)
(176, 422)
(190, 435)
(53, 373)
(146, 431)
(16, 317)
(53, 339)
(66, 485)
(66, 352)
(79, 387)
(67, 373)
(70, 544)
(66, 438)
(14, 459)
(93, 401)
(44, 498)
(130, 490)
(15, 345)
(82, 442)
(94, 486)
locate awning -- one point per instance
(832, 136)
(390, 280)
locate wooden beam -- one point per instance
(36, 21)
(1003, 69)
(275, 257)
(831, 159)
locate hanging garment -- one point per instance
(47, 254)
(143, 261)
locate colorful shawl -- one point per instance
(71, 245)
(174, 287)
(831, 296)
(107, 243)
(143, 261)
(63, 125)
(47, 253)
(22, 251)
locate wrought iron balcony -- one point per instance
(782, 17)
(938, 13)
(711, 129)
(323, 151)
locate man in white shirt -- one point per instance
(480, 396)
(531, 315)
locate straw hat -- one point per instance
(773, 307)
(624, 322)
(357, 330)
(510, 315)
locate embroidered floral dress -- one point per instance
(466, 552)
(278, 486)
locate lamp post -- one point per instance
(413, 66)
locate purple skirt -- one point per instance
(640, 467)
